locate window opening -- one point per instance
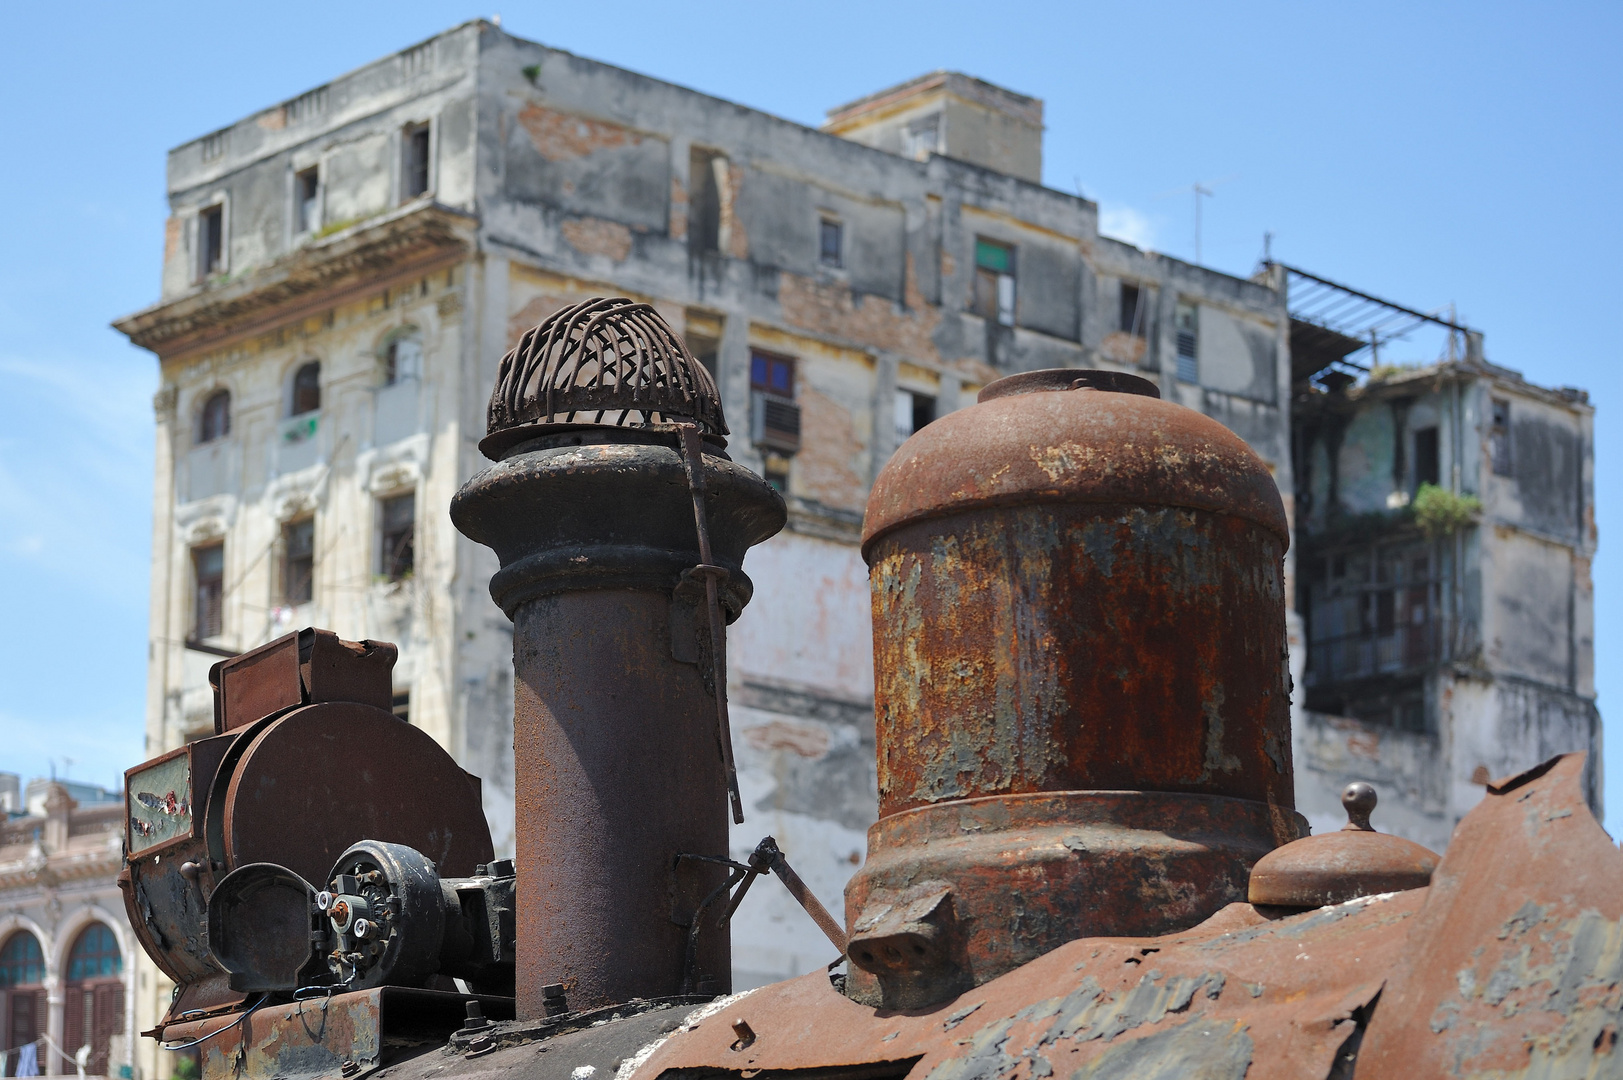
(306, 192)
(397, 536)
(306, 389)
(772, 373)
(21, 961)
(913, 411)
(416, 172)
(1133, 317)
(208, 568)
(1427, 457)
(1499, 439)
(774, 415)
(403, 358)
(994, 281)
(214, 422)
(95, 954)
(211, 241)
(1373, 611)
(829, 242)
(704, 200)
(298, 561)
(1188, 327)
(94, 1000)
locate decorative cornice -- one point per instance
(365, 257)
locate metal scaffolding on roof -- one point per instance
(1332, 323)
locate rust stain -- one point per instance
(807, 740)
(831, 308)
(171, 237)
(594, 236)
(949, 265)
(830, 443)
(273, 119)
(561, 137)
(1229, 998)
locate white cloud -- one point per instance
(1126, 223)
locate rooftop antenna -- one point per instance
(1198, 189)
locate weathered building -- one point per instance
(344, 271)
(1444, 529)
(67, 976)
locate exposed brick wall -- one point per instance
(830, 308)
(560, 137)
(594, 236)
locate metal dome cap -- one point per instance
(607, 362)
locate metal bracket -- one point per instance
(693, 462)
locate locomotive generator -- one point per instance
(1087, 861)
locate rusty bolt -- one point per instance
(350, 1068)
(340, 914)
(746, 1034)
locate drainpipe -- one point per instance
(608, 439)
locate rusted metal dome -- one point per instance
(605, 362)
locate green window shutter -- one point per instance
(990, 256)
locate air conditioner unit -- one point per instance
(774, 422)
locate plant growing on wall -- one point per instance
(1440, 512)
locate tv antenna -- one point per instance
(1199, 189)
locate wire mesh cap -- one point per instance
(608, 361)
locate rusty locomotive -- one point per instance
(1087, 862)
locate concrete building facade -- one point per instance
(68, 981)
(1445, 530)
(343, 272)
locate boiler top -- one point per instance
(1032, 439)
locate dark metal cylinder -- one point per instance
(617, 764)
(1077, 588)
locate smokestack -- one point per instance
(619, 753)
(1080, 681)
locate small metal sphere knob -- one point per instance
(1359, 799)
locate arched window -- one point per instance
(214, 422)
(306, 388)
(22, 971)
(95, 954)
(403, 356)
(93, 999)
(22, 963)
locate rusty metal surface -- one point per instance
(1028, 382)
(311, 783)
(168, 874)
(953, 895)
(302, 668)
(342, 1036)
(607, 360)
(1237, 996)
(1077, 587)
(1053, 647)
(1515, 965)
(617, 763)
(1333, 867)
(1073, 446)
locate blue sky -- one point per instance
(1433, 154)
